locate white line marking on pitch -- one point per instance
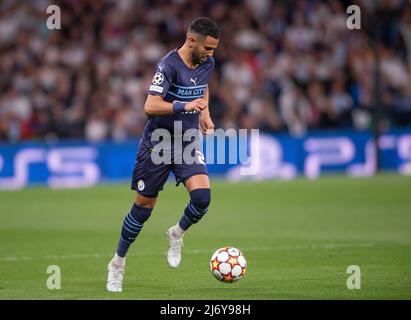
(193, 251)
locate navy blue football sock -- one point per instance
(196, 208)
(132, 225)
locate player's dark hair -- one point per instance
(204, 27)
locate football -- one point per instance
(228, 264)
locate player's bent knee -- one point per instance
(201, 198)
(144, 201)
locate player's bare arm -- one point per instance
(156, 106)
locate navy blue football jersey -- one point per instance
(174, 80)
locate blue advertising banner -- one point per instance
(249, 156)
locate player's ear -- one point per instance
(192, 40)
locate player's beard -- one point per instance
(196, 57)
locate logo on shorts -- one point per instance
(140, 185)
(158, 78)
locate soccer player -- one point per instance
(177, 97)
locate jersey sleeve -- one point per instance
(162, 80)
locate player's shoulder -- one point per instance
(170, 60)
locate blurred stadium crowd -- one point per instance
(282, 66)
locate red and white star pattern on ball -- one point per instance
(228, 264)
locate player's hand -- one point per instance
(206, 125)
(196, 105)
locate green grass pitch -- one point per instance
(299, 237)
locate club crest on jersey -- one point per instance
(140, 185)
(158, 78)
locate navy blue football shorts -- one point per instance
(149, 177)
